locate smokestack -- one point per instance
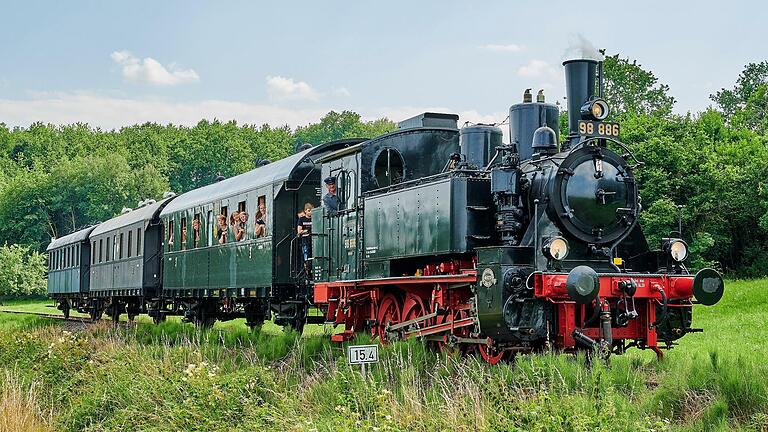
(580, 79)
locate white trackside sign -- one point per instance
(362, 354)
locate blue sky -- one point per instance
(117, 63)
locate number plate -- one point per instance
(360, 354)
(598, 129)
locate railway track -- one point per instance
(53, 316)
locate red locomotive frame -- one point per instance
(438, 308)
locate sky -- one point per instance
(112, 64)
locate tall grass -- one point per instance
(177, 377)
(20, 406)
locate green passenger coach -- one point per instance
(125, 260)
(234, 240)
(69, 268)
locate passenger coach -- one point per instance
(210, 272)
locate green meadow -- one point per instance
(65, 376)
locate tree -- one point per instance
(205, 151)
(631, 89)
(334, 126)
(751, 78)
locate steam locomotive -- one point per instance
(443, 233)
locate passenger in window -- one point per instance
(261, 218)
(221, 229)
(233, 219)
(196, 230)
(183, 236)
(240, 225)
(304, 231)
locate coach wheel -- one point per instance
(115, 312)
(64, 306)
(205, 319)
(297, 325)
(389, 313)
(95, 313)
(205, 314)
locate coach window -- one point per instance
(170, 235)
(120, 246)
(183, 233)
(196, 230)
(68, 257)
(77, 255)
(101, 250)
(93, 252)
(260, 218)
(211, 227)
(138, 241)
(240, 224)
(109, 249)
(130, 243)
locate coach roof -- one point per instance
(144, 213)
(71, 238)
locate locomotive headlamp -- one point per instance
(676, 248)
(596, 109)
(556, 248)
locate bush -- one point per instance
(22, 271)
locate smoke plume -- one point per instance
(581, 48)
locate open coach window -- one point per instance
(388, 168)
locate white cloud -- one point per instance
(149, 70)
(280, 89)
(508, 48)
(108, 112)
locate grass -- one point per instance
(176, 377)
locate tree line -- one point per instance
(57, 178)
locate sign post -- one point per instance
(362, 355)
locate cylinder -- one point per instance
(525, 118)
(580, 79)
(478, 144)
